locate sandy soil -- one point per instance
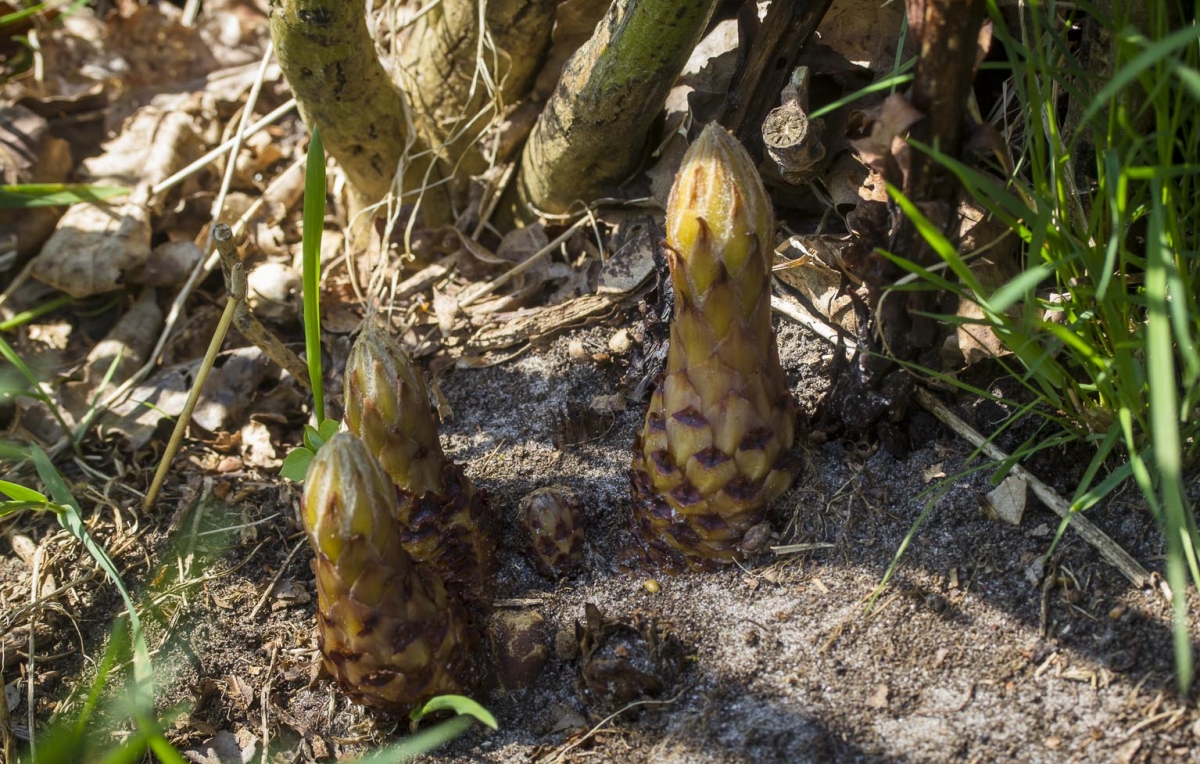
(964, 657)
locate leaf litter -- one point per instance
(774, 662)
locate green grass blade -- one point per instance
(424, 741)
(459, 704)
(30, 195)
(887, 83)
(1128, 74)
(72, 519)
(1164, 428)
(314, 223)
(35, 384)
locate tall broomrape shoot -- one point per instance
(390, 634)
(713, 452)
(443, 520)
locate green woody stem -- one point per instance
(329, 60)
(592, 132)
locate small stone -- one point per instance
(651, 586)
(273, 292)
(879, 698)
(576, 351)
(607, 405)
(1053, 743)
(620, 342)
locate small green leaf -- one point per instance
(312, 438)
(328, 429)
(21, 493)
(295, 464)
(12, 507)
(459, 704)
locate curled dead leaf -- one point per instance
(94, 249)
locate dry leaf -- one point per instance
(94, 249)
(127, 346)
(865, 32)
(227, 392)
(632, 263)
(257, 448)
(29, 154)
(151, 145)
(507, 329)
(932, 472)
(706, 77)
(1007, 501)
(977, 341)
(810, 266)
(169, 264)
(885, 150)
(446, 308)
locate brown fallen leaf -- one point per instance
(94, 248)
(124, 350)
(227, 393)
(1007, 501)
(257, 447)
(634, 240)
(809, 265)
(29, 154)
(932, 472)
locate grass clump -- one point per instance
(1104, 192)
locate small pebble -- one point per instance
(575, 350)
(273, 292)
(652, 586)
(620, 342)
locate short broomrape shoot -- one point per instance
(389, 632)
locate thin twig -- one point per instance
(198, 274)
(245, 321)
(185, 416)
(257, 127)
(31, 675)
(278, 575)
(474, 295)
(8, 739)
(263, 704)
(801, 315)
(560, 755)
(1109, 549)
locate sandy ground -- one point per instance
(963, 658)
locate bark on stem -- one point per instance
(329, 60)
(591, 134)
(452, 96)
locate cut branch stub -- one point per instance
(327, 55)
(774, 51)
(592, 133)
